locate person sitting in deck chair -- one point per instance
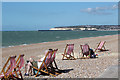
(86, 50)
(92, 53)
(31, 62)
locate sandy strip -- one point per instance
(81, 68)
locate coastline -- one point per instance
(52, 41)
(105, 59)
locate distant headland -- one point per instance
(89, 28)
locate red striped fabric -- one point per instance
(53, 56)
(21, 62)
(70, 48)
(100, 45)
(12, 66)
(85, 48)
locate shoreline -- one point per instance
(51, 41)
(62, 43)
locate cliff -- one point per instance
(73, 29)
(89, 27)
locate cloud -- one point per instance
(115, 7)
(101, 10)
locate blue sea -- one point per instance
(12, 38)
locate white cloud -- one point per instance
(100, 10)
(89, 9)
(114, 6)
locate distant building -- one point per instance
(82, 28)
(89, 27)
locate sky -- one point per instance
(22, 16)
(60, 0)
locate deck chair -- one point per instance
(44, 66)
(19, 65)
(54, 62)
(101, 46)
(68, 53)
(85, 51)
(53, 59)
(7, 71)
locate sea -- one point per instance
(13, 38)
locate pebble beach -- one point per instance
(79, 68)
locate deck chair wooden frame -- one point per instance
(101, 47)
(45, 66)
(84, 53)
(65, 55)
(10, 68)
(20, 64)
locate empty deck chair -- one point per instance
(85, 51)
(101, 46)
(20, 64)
(69, 53)
(44, 65)
(7, 71)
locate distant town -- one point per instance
(90, 27)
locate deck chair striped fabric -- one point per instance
(50, 66)
(20, 64)
(101, 46)
(54, 55)
(69, 53)
(48, 58)
(85, 51)
(53, 59)
(9, 70)
(44, 64)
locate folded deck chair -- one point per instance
(8, 70)
(101, 46)
(85, 51)
(44, 65)
(68, 53)
(19, 65)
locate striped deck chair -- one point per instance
(53, 59)
(51, 63)
(44, 64)
(85, 51)
(69, 53)
(7, 71)
(101, 46)
(20, 64)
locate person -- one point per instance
(28, 67)
(31, 62)
(92, 54)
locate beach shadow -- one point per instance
(68, 59)
(87, 58)
(58, 71)
(64, 71)
(103, 50)
(94, 58)
(83, 58)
